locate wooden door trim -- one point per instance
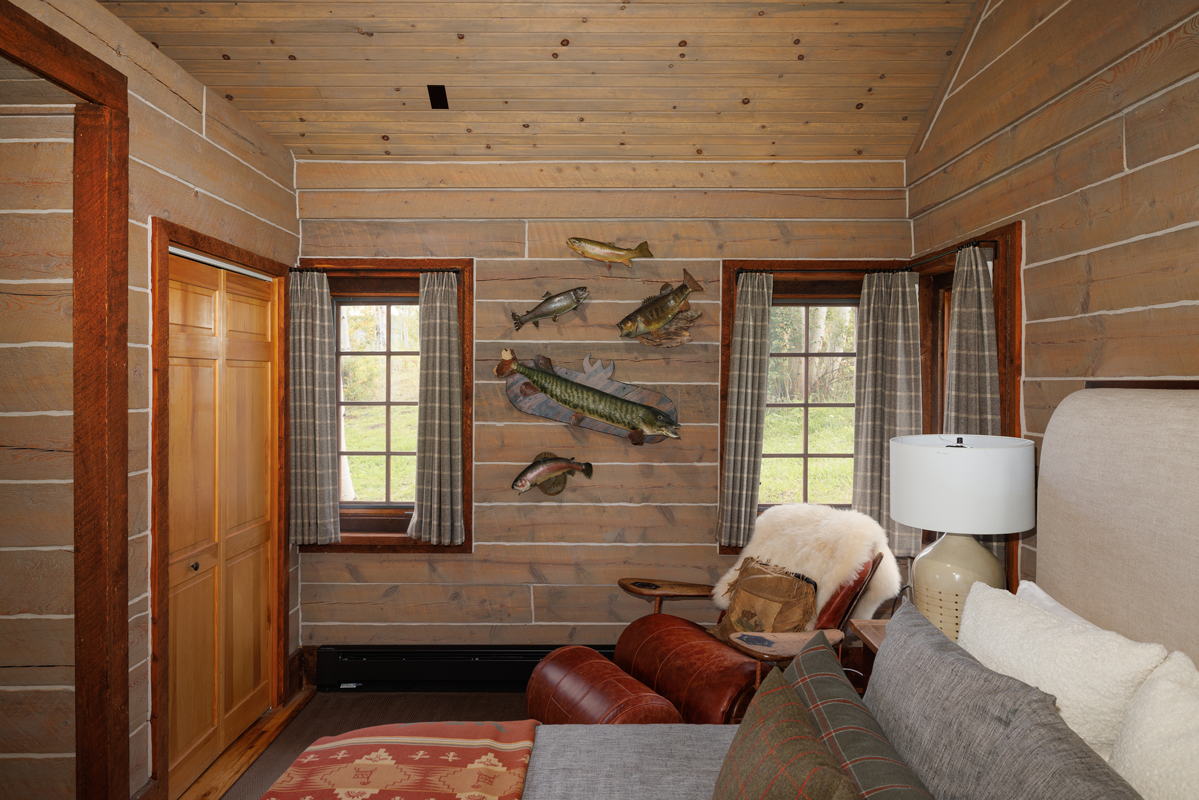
(100, 405)
(163, 234)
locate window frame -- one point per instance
(383, 529)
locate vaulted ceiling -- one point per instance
(570, 80)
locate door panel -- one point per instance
(247, 625)
(192, 446)
(250, 444)
(194, 734)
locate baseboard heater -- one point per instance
(460, 668)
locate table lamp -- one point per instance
(966, 486)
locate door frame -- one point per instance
(163, 234)
(100, 395)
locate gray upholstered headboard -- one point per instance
(1118, 512)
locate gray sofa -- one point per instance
(933, 723)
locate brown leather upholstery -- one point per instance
(706, 680)
(577, 686)
(837, 608)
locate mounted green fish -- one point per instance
(551, 307)
(588, 400)
(606, 251)
(548, 473)
(663, 320)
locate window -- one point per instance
(377, 314)
(378, 368)
(807, 446)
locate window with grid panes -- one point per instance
(807, 445)
(378, 368)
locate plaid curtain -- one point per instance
(886, 395)
(972, 364)
(438, 517)
(745, 412)
(312, 376)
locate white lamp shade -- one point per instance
(985, 487)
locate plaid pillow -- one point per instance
(776, 753)
(848, 728)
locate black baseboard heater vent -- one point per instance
(415, 668)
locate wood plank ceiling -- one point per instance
(569, 80)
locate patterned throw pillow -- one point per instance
(777, 753)
(848, 728)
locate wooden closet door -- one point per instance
(194, 448)
(223, 487)
(249, 500)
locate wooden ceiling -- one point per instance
(667, 79)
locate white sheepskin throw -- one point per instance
(829, 545)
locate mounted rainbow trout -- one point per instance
(585, 401)
(548, 473)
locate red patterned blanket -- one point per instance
(418, 761)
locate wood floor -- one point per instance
(229, 766)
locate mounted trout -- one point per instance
(606, 251)
(548, 473)
(587, 401)
(551, 307)
(656, 312)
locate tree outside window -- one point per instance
(807, 447)
(378, 354)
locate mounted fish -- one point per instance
(552, 307)
(606, 251)
(590, 400)
(548, 473)
(663, 320)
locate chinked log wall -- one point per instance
(37, 671)
(198, 162)
(1082, 119)
(544, 569)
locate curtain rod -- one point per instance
(455, 270)
(957, 249)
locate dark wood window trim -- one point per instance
(382, 530)
(100, 398)
(936, 278)
(164, 234)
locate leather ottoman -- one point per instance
(575, 685)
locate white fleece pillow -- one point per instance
(1029, 592)
(1157, 750)
(1093, 673)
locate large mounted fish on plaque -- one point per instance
(588, 399)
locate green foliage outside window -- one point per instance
(809, 415)
(375, 470)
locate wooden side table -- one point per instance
(871, 632)
(657, 590)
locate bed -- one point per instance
(1117, 543)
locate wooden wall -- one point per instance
(198, 162)
(1081, 119)
(37, 675)
(544, 569)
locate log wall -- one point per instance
(1080, 120)
(196, 161)
(544, 569)
(37, 672)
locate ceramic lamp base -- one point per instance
(944, 572)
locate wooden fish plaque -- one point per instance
(597, 376)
